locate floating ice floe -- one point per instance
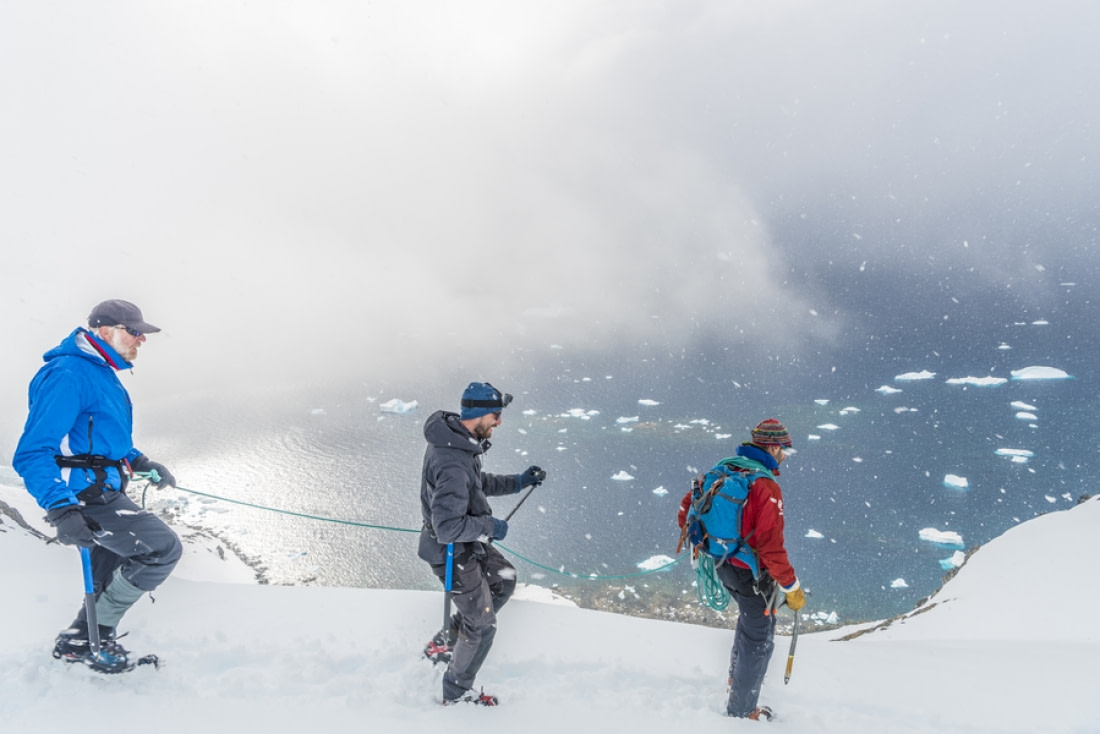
(579, 413)
(829, 427)
(660, 491)
(1021, 405)
(899, 584)
(648, 402)
(624, 420)
(822, 401)
(954, 561)
(722, 435)
(902, 409)
(1025, 416)
(530, 412)
(1039, 373)
(654, 562)
(811, 533)
(1018, 456)
(398, 406)
(813, 437)
(887, 390)
(911, 376)
(622, 476)
(1004, 347)
(849, 410)
(954, 481)
(946, 538)
(978, 381)
(825, 618)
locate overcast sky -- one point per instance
(294, 189)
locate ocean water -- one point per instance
(867, 478)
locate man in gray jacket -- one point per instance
(454, 503)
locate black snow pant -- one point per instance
(753, 640)
(132, 544)
(480, 586)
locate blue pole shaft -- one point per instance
(447, 586)
(89, 600)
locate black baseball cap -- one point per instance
(120, 313)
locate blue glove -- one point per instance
(500, 529)
(144, 464)
(72, 526)
(533, 476)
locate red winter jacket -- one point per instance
(763, 517)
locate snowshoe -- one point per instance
(480, 699)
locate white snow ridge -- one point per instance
(247, 657)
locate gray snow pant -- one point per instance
(753, 640)
(479, 588)
(135, 552)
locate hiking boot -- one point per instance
(481, 699)
(72, 646)
(438, 649)
(761, 713)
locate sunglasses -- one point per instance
(132, 332)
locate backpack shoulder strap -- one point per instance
(748, 465)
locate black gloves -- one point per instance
(72, 526)
(533, 476)
(500, 529)
(144, 464)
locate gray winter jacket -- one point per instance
(454, 491)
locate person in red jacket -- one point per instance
(762, 526)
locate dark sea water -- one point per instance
(857, 496)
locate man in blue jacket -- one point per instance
(455, 509)
(76, 456)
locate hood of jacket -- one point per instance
(82, 343)
(444, 429)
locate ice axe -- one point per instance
(790, 653)
(89, 601)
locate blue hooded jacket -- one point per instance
(77, 406)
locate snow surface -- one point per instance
(242, 656)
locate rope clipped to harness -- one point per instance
(710, 590)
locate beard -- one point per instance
(126, 349)
(483, 432)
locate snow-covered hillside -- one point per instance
(1009, 645)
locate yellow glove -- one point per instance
(796, 599)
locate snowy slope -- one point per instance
(284, 659)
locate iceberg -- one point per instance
(954, 481)
(648, 402)
(622, 420)
(811, 533)
(660, 491)
(978, 381)
(829, 427)
(1039, 373)
(622, 476)
(398, 406)
(911, 376)
(947, 538)
(655, 562)
(887, 390)
(1021, 405)
(1024, 416)
(954, 561)
(899, 584)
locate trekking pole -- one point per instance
(89, 601)
(447, 585)
(790, 653)
(522, 500)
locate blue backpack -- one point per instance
(713, 524)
